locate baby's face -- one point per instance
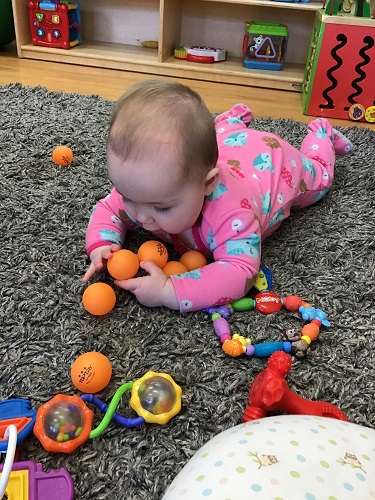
(155, 197)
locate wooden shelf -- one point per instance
(103, 54)
(161, 62)
(144, 60)
(275, 4)
(233, 71)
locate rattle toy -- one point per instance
(123, 265)
(65, 422)
(28, 481)
(269, 391)
(91, 372)
(155, 251)
(62, 155)
(295, 341)
(99, 299)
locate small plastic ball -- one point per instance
(91, 372)
(157, 395)
(193, 260)
(174, 267)
(62, 155)
(123, 265)
(155, 251)
(99, 299)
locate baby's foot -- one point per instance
(341, 144)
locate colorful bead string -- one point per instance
(295, 341)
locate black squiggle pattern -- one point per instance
(369, 41)
(334, 53)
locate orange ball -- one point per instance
(91, 372)
(99, 299)
(62, 155)
(123, 265)
(155, 251)
(193, 260)
(174, 267)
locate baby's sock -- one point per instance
(341, 143)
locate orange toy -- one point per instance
(123, 265)
(174, 267)
(193, 260)
(155, 251)
(91, 372)
(62, 155)
(99, 299)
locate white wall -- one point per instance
(120, 21)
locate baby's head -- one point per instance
(162, 148)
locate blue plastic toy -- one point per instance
(17, 412)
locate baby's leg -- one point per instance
(318, 151)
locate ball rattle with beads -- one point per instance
(65, 422)
(62, 155)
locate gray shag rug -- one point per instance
(324, 253)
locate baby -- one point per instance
(198, 183)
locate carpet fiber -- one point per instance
(324, 253)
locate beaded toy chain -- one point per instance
(295, 341)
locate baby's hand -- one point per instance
(99, 257)
(154, 290)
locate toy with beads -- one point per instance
(295, 342)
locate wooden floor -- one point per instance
(110, 84)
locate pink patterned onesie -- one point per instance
(261, 178)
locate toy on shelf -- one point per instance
(28, 481)
(264, 45)
(340, 68)
(357, 8)
(55, 24)
(270, 392)
(65, 422)
(207, 55)
(16, 412)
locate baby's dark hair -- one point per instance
(160, 118)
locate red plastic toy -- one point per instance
(55, 24)
(270, 392)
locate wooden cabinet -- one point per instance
(114, 29)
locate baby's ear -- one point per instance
(211, 180)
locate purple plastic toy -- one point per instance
(55, 484)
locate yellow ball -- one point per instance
(62, 155)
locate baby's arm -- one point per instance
(106, 231)
(236, 249)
